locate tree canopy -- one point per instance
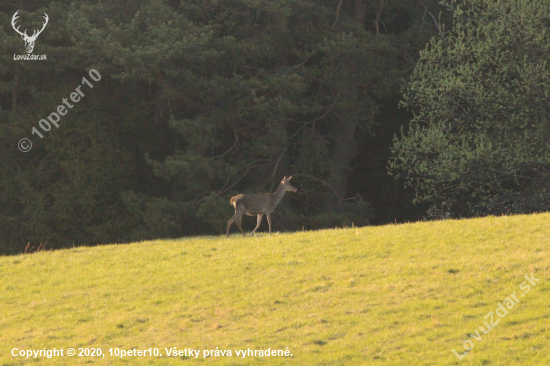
(199, 101)
(479, 140)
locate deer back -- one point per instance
(256, 204)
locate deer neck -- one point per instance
(278, 194)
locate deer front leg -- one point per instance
(260, 216)
(269, 221)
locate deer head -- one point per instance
(29, 41)
(285, 184)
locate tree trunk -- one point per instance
(345, 147)
(360, 10)
(282, 165)
(344, 150)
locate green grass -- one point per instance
(389, 295)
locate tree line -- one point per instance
(200, 100)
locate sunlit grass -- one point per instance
(389, 295)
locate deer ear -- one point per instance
(289, 178)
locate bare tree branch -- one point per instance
(275, 169)
(355, 198)
(436, 23)
(337, 13)
(231, 148)
(314, 120)
(224, 189)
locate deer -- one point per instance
(29, 41)
(258, 204)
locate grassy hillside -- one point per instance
(392, 295)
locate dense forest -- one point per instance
(381, 110)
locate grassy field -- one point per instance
(390, 295)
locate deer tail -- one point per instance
(235, 200)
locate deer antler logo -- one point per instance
(29, 41)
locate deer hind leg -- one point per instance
(269, 221)
(229, 223)
(260, 216)
(239, 224)
(239, 211)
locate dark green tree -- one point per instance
(66, 190)
(247, 107)
(198, 101)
